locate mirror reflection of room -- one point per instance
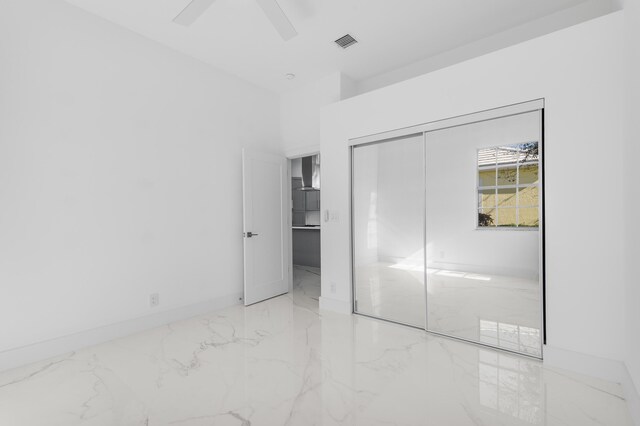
(482, 233)
(446, 231)
(388, 209)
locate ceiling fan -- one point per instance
(271, 9)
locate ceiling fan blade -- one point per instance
(278, 19)
(192, 12)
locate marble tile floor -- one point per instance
(281, 362)
(306, 287)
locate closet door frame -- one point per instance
(424, 129)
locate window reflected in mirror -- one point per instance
(508, 186)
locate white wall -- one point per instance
(579, 72)
(300, 111)
(632, 208)
(120, 173)
(562, 19)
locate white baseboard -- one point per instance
(632, 395)
(302, 151)
(602, 368)
(44, 350)
(334, 305)
(484, 269)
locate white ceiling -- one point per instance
(235, 36)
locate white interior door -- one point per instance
(264, 184)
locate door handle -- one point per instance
(250, 234)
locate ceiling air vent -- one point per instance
(346, 41)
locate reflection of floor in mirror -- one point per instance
(306, 287)
(497, 310)
(396, 294)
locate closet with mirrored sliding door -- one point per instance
(447, 227)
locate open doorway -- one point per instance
(305, 230)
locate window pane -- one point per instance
(487, 177)
(487, 198)
(487, 157)
(529, 217)
(529, 152)
(486, 217)
(507, 217)
(507, 176)
(507, 197)
(528, 196)
(528, 173)
(508, 154)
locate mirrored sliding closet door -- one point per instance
(447, 227)
(388, 230)
(483, 232)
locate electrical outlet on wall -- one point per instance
(154, 300)
(333, 287)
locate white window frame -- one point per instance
(497, 187)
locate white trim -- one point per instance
(72, 342)
(590, 365)
(485, 270)
(632, 395)
(335, 305)
(289, 239)
(475, 117)
(303, 152)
